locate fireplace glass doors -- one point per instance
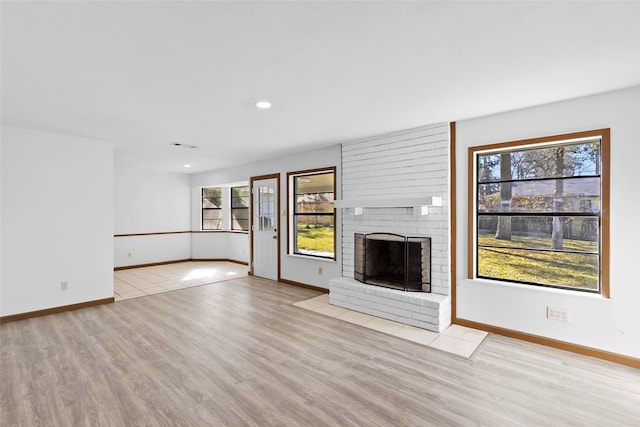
(393, 261)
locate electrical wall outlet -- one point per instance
(128, 254)
(320, 271)
(561, 314)
(64, 286)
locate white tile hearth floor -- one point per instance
(141, 281)
(457, 339)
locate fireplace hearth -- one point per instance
(393, 261)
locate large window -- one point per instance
(312, 228)
(240, 208)
(540, 211)
(212, 208)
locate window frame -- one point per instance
(291, 211)
(547, 141)
(246, 208)
(203, 209)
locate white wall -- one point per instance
(57, 220)
(1, 222)
(151, 202)
(151, 249)
(295, 268)
(224, 245)
(607, 324)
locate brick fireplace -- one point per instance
(393, 261)
(401, 182)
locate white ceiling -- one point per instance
(146, 74)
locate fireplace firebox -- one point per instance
(393, 261)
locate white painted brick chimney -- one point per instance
(409, 164)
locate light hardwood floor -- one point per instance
(240, 353)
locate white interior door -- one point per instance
(265, 228)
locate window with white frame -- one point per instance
(539, 211)
(312, 219)
(211, 208)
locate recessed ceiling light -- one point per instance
(187, 166)
(263, 105)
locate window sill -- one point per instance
(520, 287)
(312, 258)
(221, 231)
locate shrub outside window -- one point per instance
(240, 208)
(539, 211)
(212, 208)
(313, 222)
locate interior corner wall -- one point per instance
(608, 324)
(57, 220)
(1, 244)
(226, 244)
(152, 205)
(220, 245)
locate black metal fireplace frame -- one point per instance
(361, 269)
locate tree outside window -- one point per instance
(313, 225)
(212, 208)
(240, 208)
(538, 211)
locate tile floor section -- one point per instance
(137, 282)
(457, 339)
